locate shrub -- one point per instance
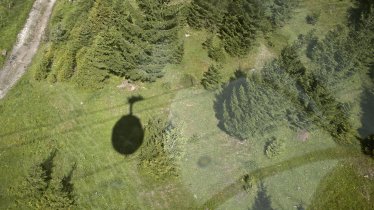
(273, 147)
(162, 149)
(43, 67)
(312, 18)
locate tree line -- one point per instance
(303, 95)
(91, 40)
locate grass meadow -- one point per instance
(38, 117)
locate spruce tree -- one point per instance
(240, 26)
(206, 13)
(281, 11)
(212, 78)
(248, 107)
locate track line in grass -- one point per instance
(262, 173)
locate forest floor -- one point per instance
(27, 44)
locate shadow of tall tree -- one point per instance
(367, 120)
(68, 186)
(262, 201)
(44, 189)
(47, 168)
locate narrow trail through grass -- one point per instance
(262, 173)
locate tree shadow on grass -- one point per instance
(262, 201)
(367, 120)
(128, 132)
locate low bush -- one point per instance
(273, 147)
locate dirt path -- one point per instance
(27, 44)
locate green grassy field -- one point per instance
(38, 117)
(14, 19)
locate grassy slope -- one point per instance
(16, 20)
(349, 186)
(38, 117)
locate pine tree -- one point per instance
(240, 26)
(290, 62)
(281, 11)
(42, 189)
(247, 107)
(206, 13)
(212, 78)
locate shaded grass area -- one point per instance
(15, 18)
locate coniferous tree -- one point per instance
(335, 57)
(42, 189)
(240, 26)
(212, 78)
(206, 13)
(281, 11)
(154, 155)
(113, 38)
(248, 107)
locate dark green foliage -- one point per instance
(281, 11)
(312, 18)
(240, 26)
(316, 99)
(44, 67)
(153, 157)
(206, 13)
(58, 33)
(273, 147)
(217, 54)
(42, 189)
(363, 38)
(290, 62)
(66, 65)
(212, 78)
(284, 89)
(239, 21)
(86, 77)
(335, 57)
(112, 38)
(248, 107)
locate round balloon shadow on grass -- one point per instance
(128, 133)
